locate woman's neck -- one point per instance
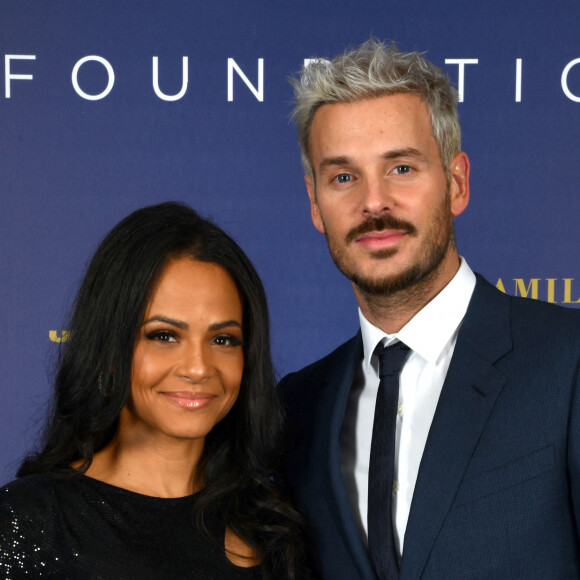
(151, 465)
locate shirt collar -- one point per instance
(431, 329)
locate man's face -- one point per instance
(381, 195)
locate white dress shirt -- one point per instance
(431, 335)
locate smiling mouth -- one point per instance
(189, 400)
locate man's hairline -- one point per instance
(362, 98)
(311, 175)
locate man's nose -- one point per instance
(378, 196)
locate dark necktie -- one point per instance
(382, 461)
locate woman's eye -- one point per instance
(227, 340)
(161, 336)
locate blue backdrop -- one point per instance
(98, 118)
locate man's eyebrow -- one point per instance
(334, 161)
(167, 320)
(407, 152)
(388, 155)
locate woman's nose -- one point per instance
(194, 363)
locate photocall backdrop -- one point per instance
(109, 106)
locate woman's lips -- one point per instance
(189, 400)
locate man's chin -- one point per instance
(386, 283)
(384, 253)
(379, 286)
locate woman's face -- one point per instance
(188, 358)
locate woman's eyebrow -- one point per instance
(167, 320)
(224, 324)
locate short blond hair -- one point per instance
(371, 70)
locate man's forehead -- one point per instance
(400, 101)
(399, 117)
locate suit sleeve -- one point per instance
(574, 450)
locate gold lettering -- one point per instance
(500, 285)
(54, 337)
(551, 296)
(568, 292)
(529, 291)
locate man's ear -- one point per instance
(314, 209)
(459, 184)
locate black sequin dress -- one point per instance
(82, 528)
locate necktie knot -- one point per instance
(391, 358)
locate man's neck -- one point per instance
(390, 312)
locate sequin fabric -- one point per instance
(82, 528)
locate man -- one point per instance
(483, 445)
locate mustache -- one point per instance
(378, 224)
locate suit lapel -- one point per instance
(469, 393)
(340, 377)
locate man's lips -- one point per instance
(188, 399)
(381, 229)
(382, 239)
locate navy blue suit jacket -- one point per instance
(498, 490)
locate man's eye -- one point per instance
(343, 178)
(402, 169)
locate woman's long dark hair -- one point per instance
(243, 452)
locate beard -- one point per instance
(438, 238)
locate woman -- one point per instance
(160, 454)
